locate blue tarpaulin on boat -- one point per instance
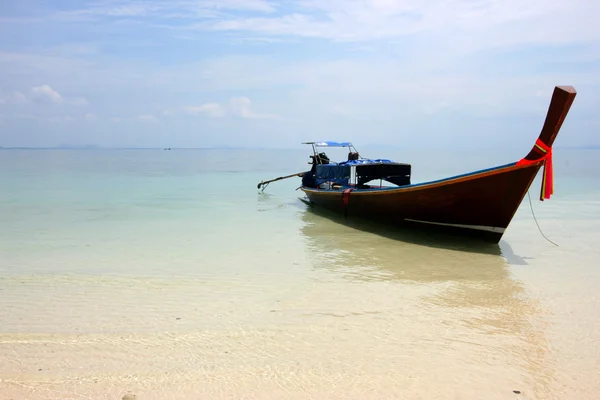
(333, 173)
(366, 170)
(364, 162)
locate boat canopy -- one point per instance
(330, 144)
(316, 145)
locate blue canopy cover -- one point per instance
(333, 144)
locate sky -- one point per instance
(261, 73)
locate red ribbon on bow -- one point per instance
(548, 177)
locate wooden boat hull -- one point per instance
(480, 204)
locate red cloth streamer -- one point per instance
(345, 200)
(548, 177)
(346, 196)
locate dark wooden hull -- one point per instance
(480, 204)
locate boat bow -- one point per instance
(561, 102)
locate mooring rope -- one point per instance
(536, 222)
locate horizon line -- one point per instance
(95, 147)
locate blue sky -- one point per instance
(202, 73)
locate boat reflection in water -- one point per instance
(458, 314)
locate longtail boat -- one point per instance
(479, 204)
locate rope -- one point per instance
(535, 219)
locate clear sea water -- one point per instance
(168, 275)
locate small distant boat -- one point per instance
(480, 204)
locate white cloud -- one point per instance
(241, 107)
(453, 25)
(236, 106)
(210, 109)
(460, 23)
(474, 24)
(117, 10)
(45, 93)
(175, 9)
(91, 117)
(375, 87)
(431, 33)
